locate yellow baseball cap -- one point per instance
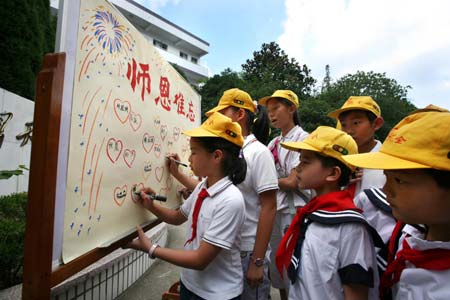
(234, 97)
(219, 125)
(328, 141)
(357, 103)
(421, 140)
(285, 94)
(429, 107)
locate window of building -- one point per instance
(194, 60)
(159, 44)
(183, 55)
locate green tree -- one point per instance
(387, 92)
(271, 69)
(12, 235)
(27, 32)
(313, 113)
(213, 88)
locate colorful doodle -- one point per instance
(117, 136)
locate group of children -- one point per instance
(333, 214)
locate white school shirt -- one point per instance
(383, 222)
(371, 177)
(417, 283)
(288, 160)
(220, 221)
(328, 250)
(261, 176)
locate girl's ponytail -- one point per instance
(233, 164)
(260, 124)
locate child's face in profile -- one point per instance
(311, 174)
(416, 198)
(199, 159)
(357, 125)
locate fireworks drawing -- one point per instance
(108, 31)
(106, 43)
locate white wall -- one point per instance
(11, 154)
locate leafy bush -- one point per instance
(12, 235)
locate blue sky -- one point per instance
(406, 39)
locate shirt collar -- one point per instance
(416, 240)
(217, 187)
(291, 133)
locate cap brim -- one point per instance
(263, 100)
(199, 132)
(380, 160)
(218, 108)
(335, 113)
(296, 146)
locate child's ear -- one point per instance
(335, 174)
(378, 122)
(218, 154)
(292, 108)
(240, 114)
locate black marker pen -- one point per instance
(152, 196)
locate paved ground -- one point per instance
(161, 275)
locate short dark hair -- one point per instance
(370, 115)
(441, 177)
(330, 162)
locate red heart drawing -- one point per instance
(184, 150)
(169, 144)
(163, 132)
(176, 133)
(147, 142)
(159, 171)
(169, 182)
(135, 121)
(120, 194)
(134, 188)
(129, 156)
(114, 149)
(157, 150)
(147, 169)
(122, 110)
(157, 121)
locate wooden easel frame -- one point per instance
(38, 276)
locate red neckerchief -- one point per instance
(198, 204)
(332, 202)
(432, 259)
(274, 150)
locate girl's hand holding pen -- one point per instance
(173, 160)
(144, 198)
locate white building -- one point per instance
(177, 45)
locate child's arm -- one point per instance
(268, 201)
(356, 257)
(168, 215)
(290, 182)
(189, 182)
(355, 292)
(197, 259)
